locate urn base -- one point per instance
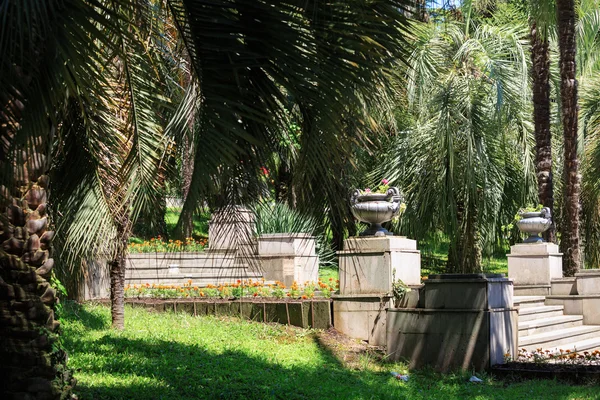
(376, 230)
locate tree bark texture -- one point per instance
(570, 241)
(540, 73)
(117, 292)
(32, 361)
(117, 270)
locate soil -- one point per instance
(349, 352)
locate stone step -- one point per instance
(542, 312)
(559, 338)
(588, 345)
(549, 324)
(528, 301)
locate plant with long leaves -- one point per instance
(465, 164)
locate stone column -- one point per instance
(368, 268)
(231, 229)
(532, 266)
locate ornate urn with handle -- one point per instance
(534, 223)
(375, 209)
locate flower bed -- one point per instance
(240, 289)
(562, 364)
(157, 245)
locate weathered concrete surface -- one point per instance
(361, 316)
(563, 286)
(289, 257)
(534, 263)
(451, 339)
(231, 228)
(314, 314)
(531, 290)
(586, 305)
(463, 291)
(467, 321)
(369, 264)
(588, 282)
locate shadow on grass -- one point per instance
(126, 368)
(75, 311)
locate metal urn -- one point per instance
(534, 223)
(375, 209)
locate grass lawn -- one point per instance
(200, 222)
(176, 356)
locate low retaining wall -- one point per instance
(314, 314)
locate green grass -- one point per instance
(200, 222)
(177, 356)
(325, 273)
(435, 255)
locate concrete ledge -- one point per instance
(563, 286)
(379, 244)
(586, 305)
(531, 290)
(314, 314)
(472, 291)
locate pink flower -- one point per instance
(367, 190)
(385, 181)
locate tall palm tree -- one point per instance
(248, 57)
(462, 163)
(541, 19)
(570, 240)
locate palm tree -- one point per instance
(541, 19)
(570, 240)
(462, 163)
(58, 78)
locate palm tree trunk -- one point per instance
(570, 242)
(117, 272)
(33, 363)
(117, 292)
(540, 73)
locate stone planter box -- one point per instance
(315, 314)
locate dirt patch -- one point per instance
(352, 353)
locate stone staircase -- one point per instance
(548, 328)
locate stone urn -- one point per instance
(534, 223)
(375, 209)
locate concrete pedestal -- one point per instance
(368, 265)
(362, 316)
(468, 322)
(531, 264)
(289, 257)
